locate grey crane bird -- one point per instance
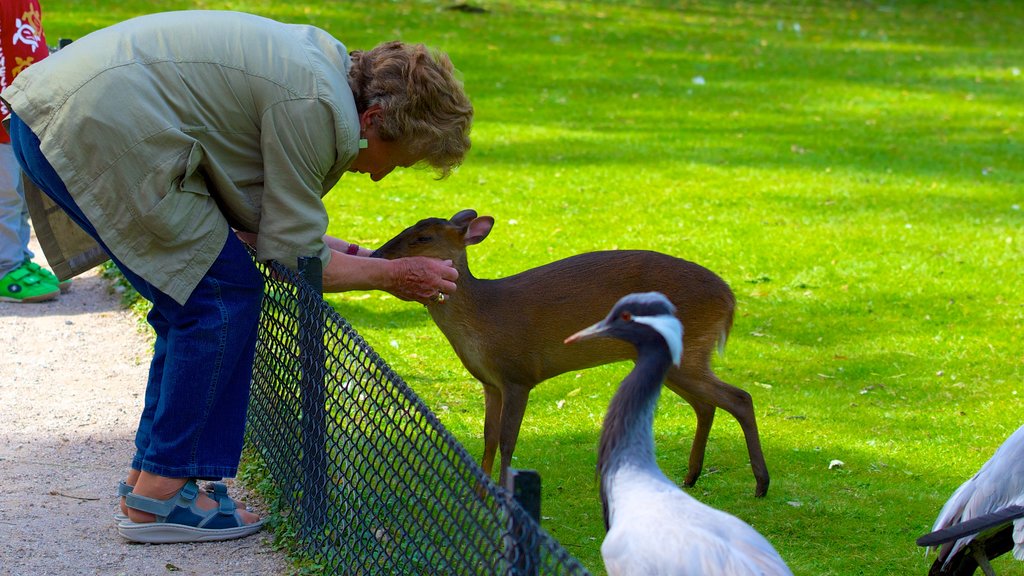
(653, 527)
(984, 517)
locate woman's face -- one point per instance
(379, 158)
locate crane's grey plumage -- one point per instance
(654, 528)
(998, 485)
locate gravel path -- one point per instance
(72, 377)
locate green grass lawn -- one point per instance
(854, 170)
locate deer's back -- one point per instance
(515, 326)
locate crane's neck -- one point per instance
(628, 435)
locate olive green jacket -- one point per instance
(170, 129)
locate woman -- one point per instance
(162, 134)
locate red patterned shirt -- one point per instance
(21, 43)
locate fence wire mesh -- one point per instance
(373, 481)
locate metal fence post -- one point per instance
(525, 488)
(312, 393)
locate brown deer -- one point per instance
(509, 332)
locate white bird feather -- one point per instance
(659, 530)
(998, 484)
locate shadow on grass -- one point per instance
(406, 317)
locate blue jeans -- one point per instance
(193, 420)
(14, 228)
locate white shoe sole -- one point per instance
(164, 533)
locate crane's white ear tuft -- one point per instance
(670, 329)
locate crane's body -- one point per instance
(655, 528)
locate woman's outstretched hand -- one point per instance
(423, 279)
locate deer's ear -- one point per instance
(478, 229)
(463, 217)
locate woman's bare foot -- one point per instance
(162, 488)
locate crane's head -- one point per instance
(633, 318)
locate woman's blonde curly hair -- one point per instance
(422, 102)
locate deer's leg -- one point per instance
(492, 426)
(512, 411)
(738, 402)
(699, 386)
(705, 418)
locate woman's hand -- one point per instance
(422, 279)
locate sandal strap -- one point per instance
(183, 509)
(226, 506)
(217, 490)
(163, 508)
(123, 489)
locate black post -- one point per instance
(311, 390)
(525, 488)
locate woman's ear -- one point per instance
(369, 117)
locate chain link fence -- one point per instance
(372, 480)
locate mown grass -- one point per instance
(853, 169)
